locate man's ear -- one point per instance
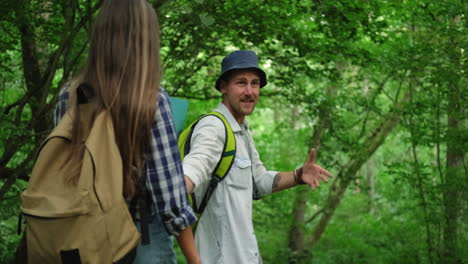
(223, 86)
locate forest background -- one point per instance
(380, 87)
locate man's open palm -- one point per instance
(313, 172)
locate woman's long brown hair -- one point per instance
(123, 67)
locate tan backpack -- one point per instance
(84, 223)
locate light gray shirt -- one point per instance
(225, 232)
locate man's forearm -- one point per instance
(187, 245)
(282, 181)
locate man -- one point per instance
(225, 233)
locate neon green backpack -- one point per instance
(225, 162)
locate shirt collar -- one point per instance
(227, 114)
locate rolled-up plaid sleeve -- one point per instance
(62, 103)
(165, 177)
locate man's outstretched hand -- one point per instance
(313, 172)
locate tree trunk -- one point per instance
(455, 180)
(348, 172)
(296, 232)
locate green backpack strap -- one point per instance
(224, 164)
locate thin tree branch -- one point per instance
(439, 163)
(348, 171)
(67, 38)
(11, 175)
(420, 184)
(315, 215)
(372, 101)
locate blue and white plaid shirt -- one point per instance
(164, 175)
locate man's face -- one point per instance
(240, 93)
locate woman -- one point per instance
(123, 69)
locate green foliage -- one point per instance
(368, 239)
(9, 221)
(346, 64)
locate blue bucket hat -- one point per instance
(240, 59)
